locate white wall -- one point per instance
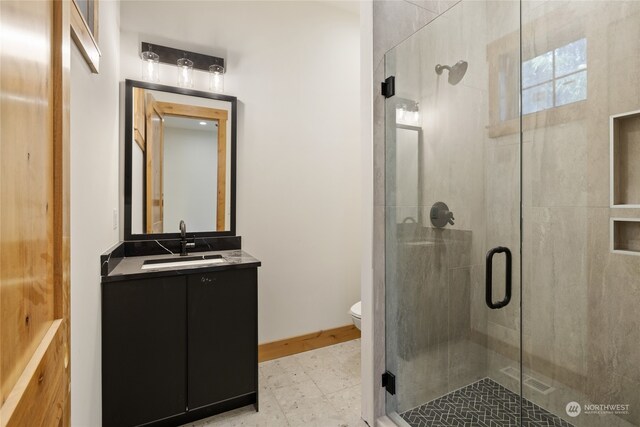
(370, 370)
(190, 162)
(94, 195)
(294, 67)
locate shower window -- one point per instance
(554, 83)
(555, 78)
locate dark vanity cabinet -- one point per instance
(180, 347)
(223, 313)
(144, 341)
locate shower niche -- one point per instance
(625, 181)
(625, 236)
(625, 160)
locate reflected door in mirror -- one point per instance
(180, 163)
(154, 166)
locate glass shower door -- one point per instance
(453, 192)
(512, 145)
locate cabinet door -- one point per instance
(143, 350)
(223, 335)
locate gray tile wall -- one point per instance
(581, 301)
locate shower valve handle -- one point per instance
(451, 218)
(441, 215)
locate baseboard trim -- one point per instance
(302, 343)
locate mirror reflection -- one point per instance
(181, 160)
(408, 173)
(408, 141)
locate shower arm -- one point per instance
(439, 68)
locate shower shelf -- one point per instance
(625, 236)
(625, 159)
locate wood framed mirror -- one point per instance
(180, 151)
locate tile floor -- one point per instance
(484, 403)
(318, 388)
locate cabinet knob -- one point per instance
(205, 279)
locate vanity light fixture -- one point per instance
(185, 72)
(186, 62)
(216, 78)
(150, 65)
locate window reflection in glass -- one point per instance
(571, 58)
(557, 77)
(537, 70)
(572, 88)
(537, 98)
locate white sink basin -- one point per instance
(190, 261)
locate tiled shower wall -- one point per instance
(581, 321)
(580, 304)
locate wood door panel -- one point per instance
(26, 229)
(34, 206)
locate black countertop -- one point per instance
(131, 267)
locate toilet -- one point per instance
(356, 313)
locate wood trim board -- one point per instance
(190, 111)
(306, 342)
(59, 353)
(84, 39)
(32, 400)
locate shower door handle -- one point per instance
(489, 278)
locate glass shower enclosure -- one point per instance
(512, 226)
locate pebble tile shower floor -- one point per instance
(482, 403)
(318, 388)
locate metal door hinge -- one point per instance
(389, 382)
(389, 87)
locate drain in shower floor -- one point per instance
(482, 403)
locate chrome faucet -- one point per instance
(183, 240)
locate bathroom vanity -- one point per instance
(179, 330)
(178, 344)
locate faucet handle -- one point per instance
(450, 218)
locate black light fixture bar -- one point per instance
(169, 55)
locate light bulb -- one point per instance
(150, 66)
(216, 78)
(185, 72)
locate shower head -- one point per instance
(456, 72)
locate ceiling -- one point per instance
(190, 124)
